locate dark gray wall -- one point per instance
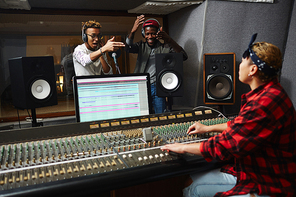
(186, 27)
(228, 27)
(289, 64)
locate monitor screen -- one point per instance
(105, 97)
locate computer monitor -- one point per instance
(105, 97)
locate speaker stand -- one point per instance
(169, 104)
(34, 119)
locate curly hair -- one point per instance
(270, 54)
(90, 24)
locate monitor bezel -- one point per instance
(75, 93)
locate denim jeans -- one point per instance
(158, 103)
(207, 184)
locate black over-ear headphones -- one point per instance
(84, 36)
(152, 23)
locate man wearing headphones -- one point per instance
(146, 51)
(89, 58)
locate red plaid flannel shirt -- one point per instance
(262, 142)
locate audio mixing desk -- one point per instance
(79, 158)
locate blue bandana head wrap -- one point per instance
(262, 66)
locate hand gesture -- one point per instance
(111, 45)
(163, 35)
(139, 21)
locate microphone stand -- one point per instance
(116, 65)
(114, 55)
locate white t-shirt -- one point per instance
(83, 65)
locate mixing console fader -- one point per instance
(76, 153)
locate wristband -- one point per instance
(101, 51)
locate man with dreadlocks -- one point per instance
(89, 58)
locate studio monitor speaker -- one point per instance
(33, 82)
(219, 78)
(169, 73)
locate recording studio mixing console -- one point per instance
(99, 156)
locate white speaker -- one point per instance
(169, 81)
(169, 73)
(33, 82)
(40, 89)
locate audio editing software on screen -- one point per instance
(103, 98)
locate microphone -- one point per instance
(115, 55)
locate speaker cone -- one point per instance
(40, 89)
(169, 81)
(219, 86)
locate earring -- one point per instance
(249, 75)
